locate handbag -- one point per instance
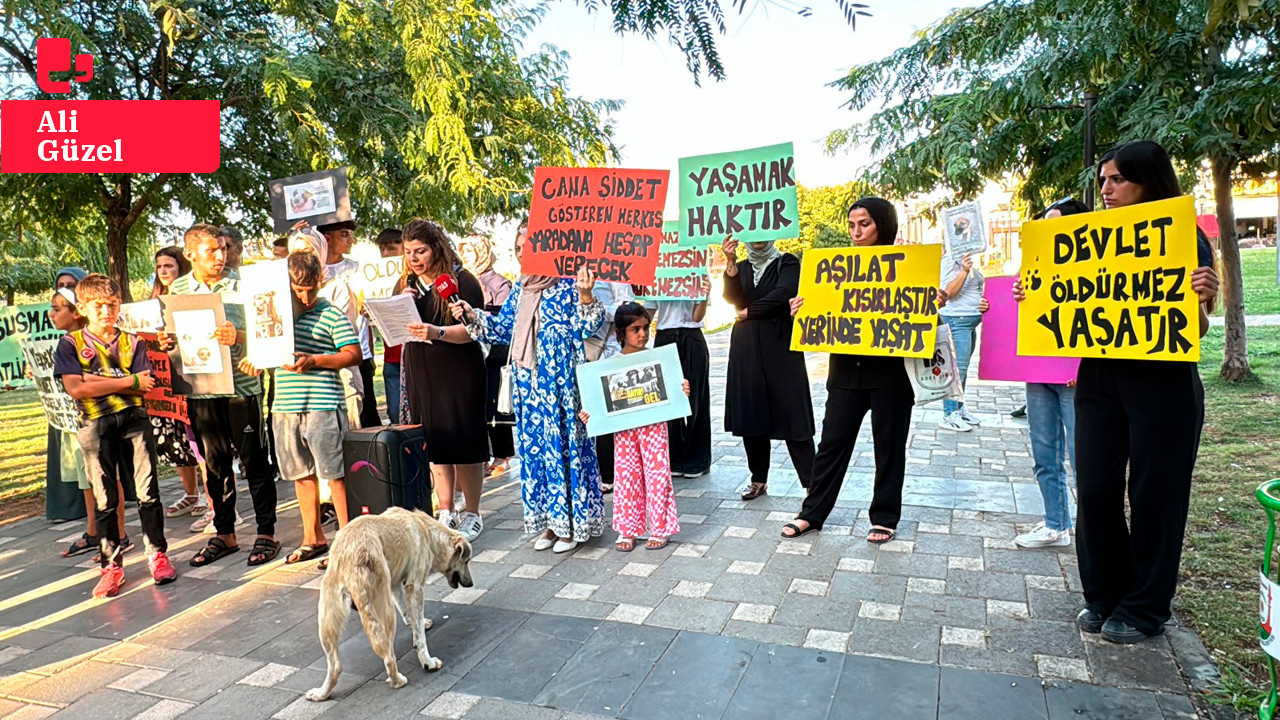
(936, 378)
(505, 406)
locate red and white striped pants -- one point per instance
(642, 483)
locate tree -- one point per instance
(430, 102)
(997, 89)
(823, 215)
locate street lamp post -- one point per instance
(1089, 99)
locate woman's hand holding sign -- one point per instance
(1204, 282)
(795, 302)
(730, 249)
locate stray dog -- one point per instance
(379, 561)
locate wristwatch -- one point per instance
(441, 335)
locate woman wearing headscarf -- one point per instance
(857, 384)
(767, 388)
(545, 321)
(62, 500)
(477, 255)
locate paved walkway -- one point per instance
(1249, 320)
(947, 621)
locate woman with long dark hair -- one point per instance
(1146, 416)
(856, 385)
(444, 375)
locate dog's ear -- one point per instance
(460, 547)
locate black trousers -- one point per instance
(120, 449)
(1145, 415)
(225, 428)
(369, 408)
(690, 438)
(760, 449)
(890, 409)
(604, 455)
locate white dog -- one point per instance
(379, 561)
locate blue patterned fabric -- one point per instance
(558, 467)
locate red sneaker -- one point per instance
(110, 582)
(161, 569)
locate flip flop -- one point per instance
(796, 531)
(264, 551)
(214, 551)
(305, 553)
(880, 531)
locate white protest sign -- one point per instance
(61, 409)
(268, 313)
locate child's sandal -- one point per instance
(656, 543)
(625, 544)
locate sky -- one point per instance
(778, 66)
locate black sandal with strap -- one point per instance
(889, 532)
(305, 553)
(796, 531)
(214, 551)
(264, 551)
(83, 544)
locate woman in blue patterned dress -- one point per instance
(545, 320)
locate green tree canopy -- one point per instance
(433, 104)
(998, 89)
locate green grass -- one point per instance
(1226, 528)
(1261, 293)
(23, 436)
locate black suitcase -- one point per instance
(386, 467)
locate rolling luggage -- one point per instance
(386, 467)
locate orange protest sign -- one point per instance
(607, 219)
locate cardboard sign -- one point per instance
(1112, 284)
(319, 198)
(161, 401)
(607, 219)
(682, 271)
(880, 300)
(203, 363)
(17, 323)
(59, 407)
(376, 279)
(964, 230)
(268, 313)
(631, 391)
(749, 194)
(142, 316)
(999, 358)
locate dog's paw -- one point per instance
(432, 664)
(426, 623)
(397, 681)
(317, 695)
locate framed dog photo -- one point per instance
(268, 313)
(965, 231)
(320, 198)
(202, 363)
(631, 391)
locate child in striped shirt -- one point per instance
(308, 414)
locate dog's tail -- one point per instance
(364, 566)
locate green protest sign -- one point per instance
(18, 323)
(682, 271)
(750, 194)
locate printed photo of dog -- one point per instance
(378, 562)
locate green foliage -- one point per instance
(823, 221)
(999, 89)
(435, 105)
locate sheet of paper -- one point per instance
(200, 352)
(392, 317)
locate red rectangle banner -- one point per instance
(161, 402)
(608, 219)
(110, 136)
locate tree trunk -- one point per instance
(1235, 349)
(118, 224)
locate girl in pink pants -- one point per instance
(642, 458)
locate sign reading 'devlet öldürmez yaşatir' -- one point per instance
(749, 194)
(880, 300)
(1113, 284)
(608, 220)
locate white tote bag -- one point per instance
(936, 378)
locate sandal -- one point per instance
(755, 491)
(264, 551)
(796, 531)
(214, 551)
(305, 553)
(183, 506)
(324, 565)
(888, 534)
(82, 544)
(625, 544)
(656, 543)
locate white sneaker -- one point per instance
(1041, 536)
(968, 418)
(953, 422)
(564, 546)
(206, 523)
(470, 525)
(449, 518)
(459, 500)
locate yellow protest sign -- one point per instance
(879, 300)
(1112, 284)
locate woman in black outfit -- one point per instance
(1146, 415)
(767, 389)
(444, 376)
(857, 384)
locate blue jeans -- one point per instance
(964, 333)
(391, 382)
(1051, 413)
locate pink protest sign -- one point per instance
(999, 358)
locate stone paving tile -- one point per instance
(966, 694)
(72, 683)
(682, 613)
(878, 588)
(806, 611)
(901, 640)
(696, 677)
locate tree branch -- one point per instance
(145, 199)
(103, 192)
(17, 54)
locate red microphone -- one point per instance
(447, 287)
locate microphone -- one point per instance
(447, 287)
